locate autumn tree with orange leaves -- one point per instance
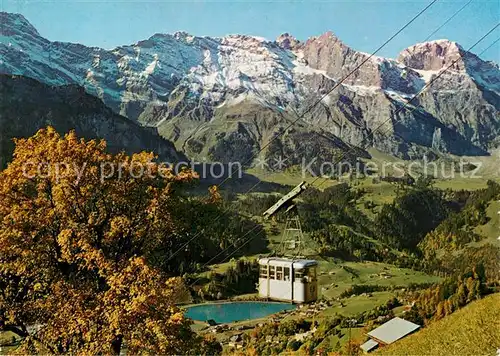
(74, 250)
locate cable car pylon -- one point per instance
(292, 237)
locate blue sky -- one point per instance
(363, 25)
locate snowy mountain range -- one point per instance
(225, 98)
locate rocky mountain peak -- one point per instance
(183, 36)
(287, 41)
(177, 37)
(433, 55)
(327, 38)
(233, 38)
(16, 23)
(328, 53)
(327, 45)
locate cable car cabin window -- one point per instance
(286, 273)
(279, 273)
(271, 272)
(299, 275)
(311, 273)
(263, 271)
(308, 274)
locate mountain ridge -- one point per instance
(27, 106)
(185, 87)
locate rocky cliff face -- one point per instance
(433, 55)
(225, 98)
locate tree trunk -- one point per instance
(116, 345)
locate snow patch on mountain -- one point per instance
(300, 68)
(151, 66)
(363, 90)
(427, 75)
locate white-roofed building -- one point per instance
(388, 333)
(370, 345)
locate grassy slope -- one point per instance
(491, 230)
(472, 330)
(356, 304)
(487, 168)
(377, 193)
(334, 279)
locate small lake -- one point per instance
(235, 311)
